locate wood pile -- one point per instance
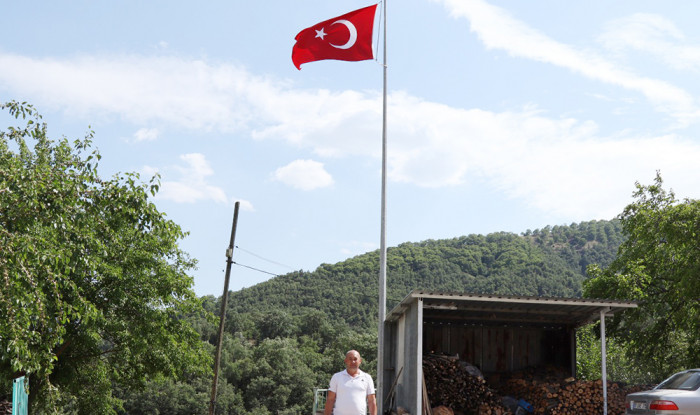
(443, 410)
(548, 390)
(449, 383)
(5, 407)
(564, 396)
(490, 409)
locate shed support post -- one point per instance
(419, 357)
(604, 369)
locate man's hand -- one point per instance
(371, 404)
(330, 403)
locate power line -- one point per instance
(276, 275)
(287, 266)
(256, 269)
(263, 258)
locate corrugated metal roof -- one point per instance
(472, 308)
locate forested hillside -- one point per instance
(546, 262)
(288, 335)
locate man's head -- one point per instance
(352, 361)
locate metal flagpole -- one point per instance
(382, 247)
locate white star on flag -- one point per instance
(320, 33)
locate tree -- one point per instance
(165, 396)
(658, 266)
(92, 281)
(619, 367)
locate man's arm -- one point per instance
(330, 403)
(371, 404)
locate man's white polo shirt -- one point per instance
(351, 392)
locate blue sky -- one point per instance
(503, 116)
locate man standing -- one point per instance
(351, 391)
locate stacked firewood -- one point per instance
(568, 395)
(491, 409)
(449, 383)
(5, 407)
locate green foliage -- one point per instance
(167, 396)
(92, 282)
(279, 374)
(260, 374)
(619, 366)
(658, 265)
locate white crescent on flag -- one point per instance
(353, 34)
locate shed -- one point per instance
(496, 333)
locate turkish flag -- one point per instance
(346, 38)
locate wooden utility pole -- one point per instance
(224, 301)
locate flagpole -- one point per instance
(382, 245)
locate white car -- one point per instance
(678, 395)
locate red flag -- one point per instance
(346, 38)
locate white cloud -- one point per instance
(558, 165)
(146, 134)
(652, 34)
(334, 123)
(497, 29)
(188, 183)
(304, 175)
(193, 94)
(187, 93)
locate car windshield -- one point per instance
(688, 381)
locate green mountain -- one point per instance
(544, 262)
